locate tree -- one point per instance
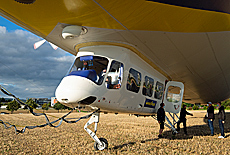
(2, 99)
(31, 103)
(195, 107)
(68, 108)
(226, 103)
(45, 106)
(49, 104)
(13, 106)
(58, 106)
(0, 105)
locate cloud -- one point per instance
(2, 29)
(26, 72)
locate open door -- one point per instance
(173, 96)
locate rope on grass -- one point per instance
(7, 125)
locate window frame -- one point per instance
(131, 84)
(147, 89)
(161, 91)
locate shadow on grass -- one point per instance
(197, 130)
(132, 143)
(201, 130)
(123, 145)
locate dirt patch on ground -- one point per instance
(125, 134)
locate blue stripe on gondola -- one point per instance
(86, 58)
(150, 103)
(89, 74)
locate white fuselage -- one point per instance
(74, 88)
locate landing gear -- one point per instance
(100, 143)
(171, 122)
(174, 133)
(103, 146)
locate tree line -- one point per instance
(225, 103)
(14, 105)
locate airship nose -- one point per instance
(74, 90)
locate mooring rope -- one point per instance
(7, 125)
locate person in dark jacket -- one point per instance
(183, 114)
(211, 117)
(221, 117)
(161, 118)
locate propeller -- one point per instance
(53, 46)
(39, 43)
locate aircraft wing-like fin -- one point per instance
(53, 46)
(38, 44)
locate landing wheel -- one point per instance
(174, 132)
(104, 144)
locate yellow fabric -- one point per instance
(43, 15)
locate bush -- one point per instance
(13, 106)
(195, 107)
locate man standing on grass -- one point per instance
(211, 117)
(161, 118)
(183, 114)
(221, 117)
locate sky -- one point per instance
(26, 72)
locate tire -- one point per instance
(104, 144)
(174, 132)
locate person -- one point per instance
(211, 117)
(221, 117)
(101, 76)
(183, 114)
(103, 72)
(149, 91)
(161, 119)
(85, 65)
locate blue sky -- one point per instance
(9, 25)
(26, 72)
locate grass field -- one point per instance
(125, 134)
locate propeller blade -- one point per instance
(39, 43)
(54, 46)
